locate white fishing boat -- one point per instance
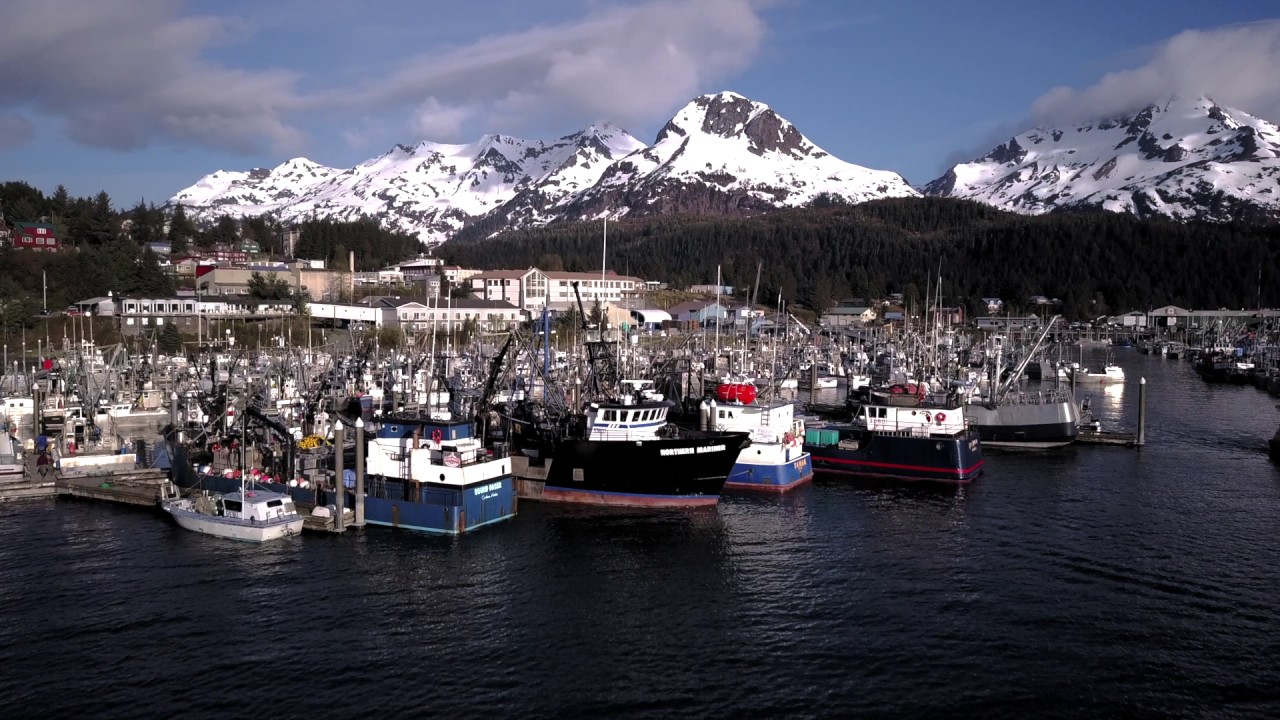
(11, 466)
(247, 515)
(1110, 375)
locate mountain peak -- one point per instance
(721, 154)
(1183, 157)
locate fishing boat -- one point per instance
(1020, 420)
(11, 466)
(620, 452)
(899, 433)
(250, 515)
(775, 460)
(434, 476)
(616, 447)
(1110, 375)
(1039, 420)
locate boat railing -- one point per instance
(598, 434)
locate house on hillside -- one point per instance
(39, 237)
(847, 314)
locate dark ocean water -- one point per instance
(1090, 582)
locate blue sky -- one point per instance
(141, 98)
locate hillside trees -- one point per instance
(867, 250)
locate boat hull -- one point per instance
(667, 472)
(231, 529)
(1024, 426)
(793, 469)
(955, 459)
(438, 508)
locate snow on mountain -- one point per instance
(429, 189)
(1185, 159)
(725, 154)
(722, 154)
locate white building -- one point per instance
(534, 289)
(489, 315)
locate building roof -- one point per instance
(691, 306)
(499, 274)
(651, 315)
(565, 275)
(421, 263)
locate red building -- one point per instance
(225, 255)
(36, 236)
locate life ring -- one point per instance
(788, 438)
(940, 417)
(436, 436)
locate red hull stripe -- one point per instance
(895, 466)
(627, 499)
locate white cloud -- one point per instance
(124, 73)
(436, 121)
(1235, 65)
(620, 62)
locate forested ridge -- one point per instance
(1096, 263)
(104, 249)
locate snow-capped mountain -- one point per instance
(1185, 159)
(721, 154)
(725, 154)
(429, 189)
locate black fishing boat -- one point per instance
(616, 448)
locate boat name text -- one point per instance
(691, 450)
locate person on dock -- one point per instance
(44, 463)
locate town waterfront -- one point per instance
(1088, 582)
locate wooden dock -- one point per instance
(139, 487)
(28, 488)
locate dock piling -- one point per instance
(1142, 413)
(359, 472)
(339, 490)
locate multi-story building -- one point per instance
(35, 236)
(225, 255)
(534, 289)
(457, 276)
(419, 268)
(489, 315)
(319, 284)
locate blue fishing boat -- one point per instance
(434, 476)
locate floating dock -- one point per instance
(1091, 436)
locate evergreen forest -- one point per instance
(1093, 264)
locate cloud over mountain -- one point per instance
(1236, 65)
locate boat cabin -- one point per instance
(255, 506)
(426, 450)
(767, 423)
(618, 421)
(913, 420)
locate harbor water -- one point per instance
(1083, 583)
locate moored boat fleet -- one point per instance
(452, 439)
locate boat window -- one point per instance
(232, 506)
(881, 413)
(610, 415)
(274, 503)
